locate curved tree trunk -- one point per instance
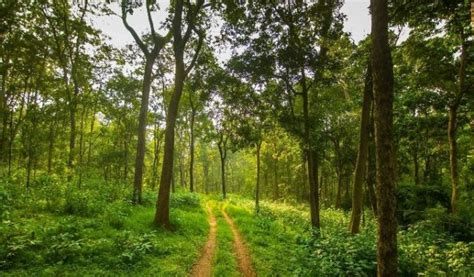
(361, 166)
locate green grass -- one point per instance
(109, 237)
(272, 245)
(282, 243)
(120, 243)
(224, 263)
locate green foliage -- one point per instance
(98, 237)
(134, 247)
(283, 231)
(82, 202)
(185, 200)
(413, 200)
(5, 203)
(424, 249)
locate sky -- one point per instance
(357, 22)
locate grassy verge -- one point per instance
(282, 244)
(272, 245)
(121, 241)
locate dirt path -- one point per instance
(203, 268)
(243, 256)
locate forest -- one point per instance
(236, 138)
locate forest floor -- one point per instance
(210, 237)
(204, 266)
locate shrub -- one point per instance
(82, 202)
(116, 213)
(133, 247)
(185, 200)
(49, 189)
(5, 203)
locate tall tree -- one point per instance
(383, 95)
(191, 22)
(158, 42)
(362, 157)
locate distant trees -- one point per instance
(281, 49)
(445, 57)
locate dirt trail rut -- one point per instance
(203, 267)
(241, 250)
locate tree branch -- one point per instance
(132, 31)
(196, 54)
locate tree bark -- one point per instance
(276, 193)
(191, 144)
(371, 171)
(91, 131)
(383, 94)
(361, 165)
(453, 162)
(179, 43)
(416, 166)
(452, 127)
(162, 206)
(313, 183)
(51, 140)
(257, 186)
(142, 122)
(72, 132)
(156, 155)
(223, 155)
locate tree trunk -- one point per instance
(453, 162)
(416, 166)
(257, 187)
(191, 145)
(313, 183)
(371, 170)
(361, 166)
(452, 127)
(142, 122)
(81, 145)
(156, 156)
(162, 205)
(179, 43)
(276, 193)
(206, 177)
(385, 167)
(89, 151)
(182, 178)
(72, 132)
(3, 112)
(223, 155)
(51, 146)
(337, 156)
(126, 156)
